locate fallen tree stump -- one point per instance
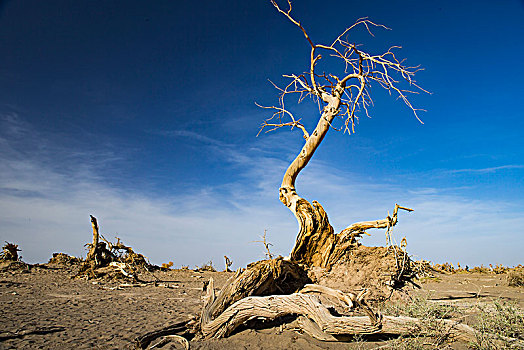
(111, 260)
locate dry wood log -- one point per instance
(316, 320)
(347, 300)
(265, 277)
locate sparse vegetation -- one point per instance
(431, 332)
(64, 259)
(515, 277)
(167, 266)
(206, 267)
(420, 307)
(499, 324)
(504, 320)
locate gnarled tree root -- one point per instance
(314, 318)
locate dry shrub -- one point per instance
(515, 277)
(167, 266)
(423, 268)
(64, 259)
(445, 267)
(480, 269)
(449, 268)
(431, 332)
(206, 267)
(499, 269)
(502, 318)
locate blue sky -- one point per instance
(143, 114)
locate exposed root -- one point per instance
(314, 319)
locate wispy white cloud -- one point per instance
(45, 210)
(489, 170)
(192, 135)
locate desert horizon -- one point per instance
(261, 175)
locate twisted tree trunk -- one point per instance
(315, 239)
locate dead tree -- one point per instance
(228, 263)
(266, 245)
(98, 254)
(104, 258)
(341, 98)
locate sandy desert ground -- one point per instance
(43, 307)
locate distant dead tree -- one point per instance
(228, 263)
(266, 245)
(9, 252)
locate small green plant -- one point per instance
(430, 331)
(501, 319)
(409, 343)
(428, 279)
(420, 307)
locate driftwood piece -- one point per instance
(168, 338)
(182, 329)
